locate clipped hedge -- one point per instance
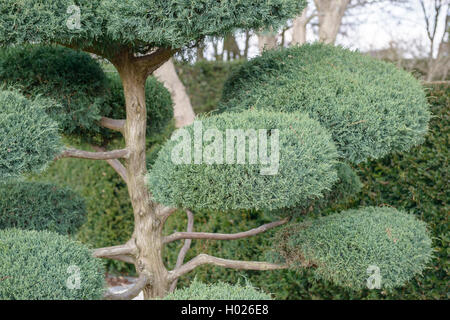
(38, 265)
(40, 206)
(29, 139)
(218, 291)
(204, 82)
(71, 78)
(371, 107)
(304, 170)
(342, 247)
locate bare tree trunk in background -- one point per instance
(330, 14)
(299, 28)
(267, 40)
(183, 112)
(431, 23)
(247, 44)
(231, 47)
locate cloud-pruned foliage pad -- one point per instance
(348, 184)
(40, 206)
(38, 265)
(137, 23)
(29, 139)
(342, 246)
(218, 291)
(76, 90)
(371, 107)
(72, 79)
(307, 157)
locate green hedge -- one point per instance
(40, 206)
(43, 265)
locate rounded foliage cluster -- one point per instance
(75, 91)
(218, 291)
(303, 170)
(157, 100)
(347, 185)
(40, 206)
(138, 23)
(29, 139)
(343, 247)
(43, 265)
(371, 107)
(72, 79)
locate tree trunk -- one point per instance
(330, 14)
(148, 226)
(267, 40)
(183, 112)
(299, 28)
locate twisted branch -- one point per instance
(124, 252)
(223, 236)
(130, 293)
(202, 259)
(75, 153)
(113, 124)
(115, 164)
(185, 248)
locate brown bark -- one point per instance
(267, 40)
(148, 221)
(224, 236)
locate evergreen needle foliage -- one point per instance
(307, 158)
(370, 107)
(40, 206)
(37, 265)
(218, 291)
(344, 245)
(29, 139)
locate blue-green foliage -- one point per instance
(38, 265)
(343, 246)
(370, 106)
(77, 92)
(72, 79)
(348, 184)
(40, 206)
(218, 291)
(29, 139)
(141, 24)
(305, 169)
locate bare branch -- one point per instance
(115, 164)
(75, 153)
(223, 236)
(152, 61)
(124, 252)
(113, 124)
(202, 259)
(130, 293)
(185, 248)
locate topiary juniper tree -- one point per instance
(329, 106)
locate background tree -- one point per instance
(326, 116)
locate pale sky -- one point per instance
(378, 25)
